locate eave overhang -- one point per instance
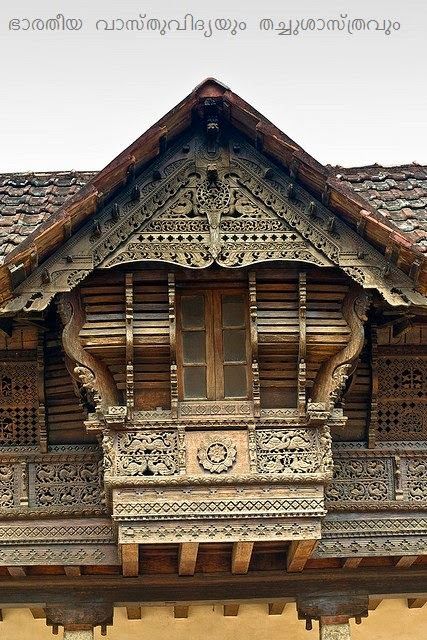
(315, 177)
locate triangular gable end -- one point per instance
(212, 197)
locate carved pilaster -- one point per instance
(254, 343)
(373, 414)
(302, 349)
(172, 338)
(332, 376)
(23, 499)
(41, 412)
(130, 402)
(92, 372)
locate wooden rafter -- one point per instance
(130, 559)
(241, 557)
(187, 558)
(298, 553)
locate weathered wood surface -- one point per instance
(267, 586)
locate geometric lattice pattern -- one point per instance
(18, 404)
(402, 398)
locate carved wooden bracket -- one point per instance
(333, 374)
(92, 372)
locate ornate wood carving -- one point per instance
(239, 210)
(92, 373)
(302, 347)
(254, 344)
(333, 374)
(130, 400)
(373, 414)
(222, 470)
(378, 479)
(352, 535)
(41, 393)
(21, 410)
(401, 402)
(172, 337)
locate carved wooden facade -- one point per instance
(215, 356)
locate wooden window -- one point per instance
(213, 345)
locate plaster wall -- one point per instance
(392, 620)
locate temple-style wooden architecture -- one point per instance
(213, 378)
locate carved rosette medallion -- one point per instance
(217, 455)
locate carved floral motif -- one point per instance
(217, 454)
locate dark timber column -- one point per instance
(333, 614)
(80, 619)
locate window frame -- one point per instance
(213, 343)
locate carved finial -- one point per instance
(332, 225)
(291, 192)
(414, 272)
(45, 276)
(115, 212)
(136, 193)
(386, 271)
(96, 229)
(130, 172)
(212, 123)
(312, 209)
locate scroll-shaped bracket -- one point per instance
(332, 376)
(93, 374)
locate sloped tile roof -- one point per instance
(398, 193)
(27, 199)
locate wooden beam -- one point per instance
(416, 603)
(72, 570)
(16, 572)
(134, 613)
(187, 558)
(352, 563)
(265, 586)
(406, 561)
(374, 603)
(276, 608)
(241, 557)
(180, 611)
(231, 609)
(130, 560)
(38, 613)
(298, 553)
